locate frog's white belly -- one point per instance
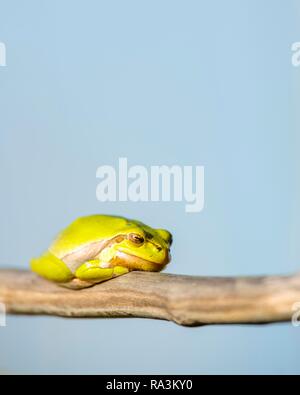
(83, 254)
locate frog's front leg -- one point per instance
(93, 272)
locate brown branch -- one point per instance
(186, 300)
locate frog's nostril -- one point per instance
(159, 248)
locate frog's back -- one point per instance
(87, 230)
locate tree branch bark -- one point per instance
(186, 300)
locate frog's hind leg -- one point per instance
(51, 268)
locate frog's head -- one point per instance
(143, 248)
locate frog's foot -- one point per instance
(77, 284)
(93, 272)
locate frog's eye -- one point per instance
(136, 239)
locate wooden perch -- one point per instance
(186, 300)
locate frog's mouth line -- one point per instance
(133, 262)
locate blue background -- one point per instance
(160, 82)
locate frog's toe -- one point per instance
(120, 270)
(77, 284)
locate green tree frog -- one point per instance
(100, 247)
